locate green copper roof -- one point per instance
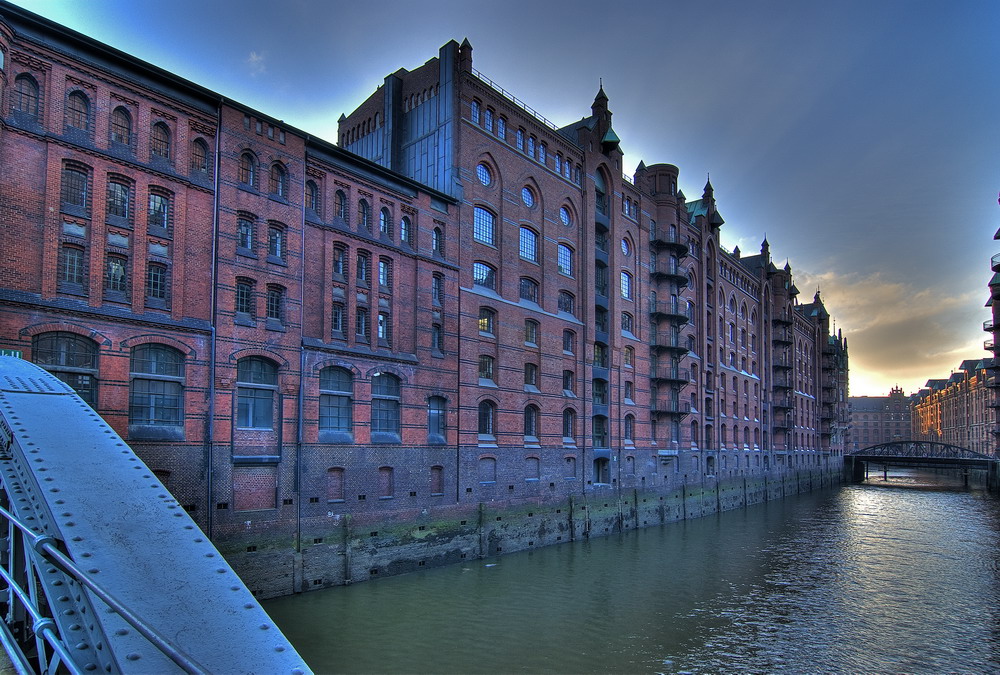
(611, 137)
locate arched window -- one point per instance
(199, 156)
(340, 205)
(277, 243)
(600, 431)
(437, 480)
(71, 358)
(629, 428)
(565, 260)
(528, 289)
(248, 169)
(483, 226)
(159, 142)
(484, 275)
(158, 216)
(487, 320)
(487, 418)
(529, 244)
(487, 469)
(569, 425)
(156, 395)
(278, 180)
(385, 408)
(531, 416)
(78, 111)
(437, 241)
(119, 204)
(566, 302)
(436, 420)
(385, 222)
(364, 215)
(405, 230)
(257, 383)
(312, 197)
(121, 126)
(626, 285)
(26, 95)
(336, 404)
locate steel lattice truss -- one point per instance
(923, 449)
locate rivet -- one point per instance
(234, 588)
(248, 606)
(82, 645)
(93, 570)
(199, 539)
(85, 555)
(67, 514)
(60, 501)
(70, 523)
(221, 571)
(133, 657)
(90, 666)
(121, 631)
(279, 649)
(209, 555)
(63, 598)
(75, 626)
(264, 626)
(77, 538)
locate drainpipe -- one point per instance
(210, 433)
(300, 403)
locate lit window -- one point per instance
(487, 320)
(483, 226)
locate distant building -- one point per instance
(957, 410)
(879, 419)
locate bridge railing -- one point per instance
(929, 449)
(100, 564)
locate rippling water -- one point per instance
(900, 576)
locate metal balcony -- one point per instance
(783, 402)
(989, 345)
(668, 268)
(995, 261)
(663, 236)
(782, 363)
(663, 340)
(672, 309)
(666, 405)
(782, 383)
(829, 383)
(782, 319)
(782, 336)
(669, 373)
(988, 325)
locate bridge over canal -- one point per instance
(926, 454)
(101, 570)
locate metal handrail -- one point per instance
(45, 546)
(513, 99)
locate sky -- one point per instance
(861, 137)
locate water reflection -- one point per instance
(867, 578)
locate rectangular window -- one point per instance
(385, 275)
(254, 408)
(159, 210)
(337, 318)
(275, 303)
(362, 330)
(116, 275)
(71, 266)
(74, 188)
(244, 298)
(483, 226)
(156, 282)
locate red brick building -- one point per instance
(458, 305)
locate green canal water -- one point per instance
(894, 576)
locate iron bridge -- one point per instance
(101, 570)
(917, 454)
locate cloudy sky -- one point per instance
(862, 137)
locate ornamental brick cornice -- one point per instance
(81, 83)
(26, 59)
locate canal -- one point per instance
(894, 576)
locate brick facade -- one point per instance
(327, 351)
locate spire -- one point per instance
(600, 104)
(816, 297)
(709, 194)
(465, 56)
(765, 248)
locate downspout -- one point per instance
(210, 435)
(299, 430)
